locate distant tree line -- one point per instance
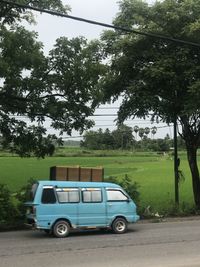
(126, 138)
(120, 138)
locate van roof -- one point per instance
(77, 184)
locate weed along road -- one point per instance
(172, 243)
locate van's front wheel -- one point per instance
(119, 226)
(61, 229)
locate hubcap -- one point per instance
(62, 229)
(120, 226)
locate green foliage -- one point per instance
(121, 138)
(23, 195)
(130, 187)
(58, 87)
(152, 173)
(10, 14)
(156, 76)
(12, 208)
(159, 145)
(33, 87)
(184, 209)
(8, 211)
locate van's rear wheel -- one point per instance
(119, 226)
(61, 229)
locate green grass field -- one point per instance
(153, 173)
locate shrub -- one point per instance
(183, 209)
(23, 195)
(8, 210)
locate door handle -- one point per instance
(109, 205)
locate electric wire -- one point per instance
(56, 13)
(51, 12)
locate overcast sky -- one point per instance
(50, 28)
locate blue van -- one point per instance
(59, 206)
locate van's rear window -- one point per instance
(48, 196)
(32, 192)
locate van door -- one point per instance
(68, 199)
(46, 209)
(118, 204)
(63, 204)
(92, 209)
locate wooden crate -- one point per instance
(76, 173)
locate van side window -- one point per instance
(68, 195)
(48, 196)
(115, 195)
(92, 195)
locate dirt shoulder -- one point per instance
(170, 219)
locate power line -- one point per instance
(129, 120)
(72, 137)
(137, 121)
(93, 115)
(108, 108)
(56, 13)
(142, 123)
(102, 115)
(112, 115)
(47, 118)
(113, 125)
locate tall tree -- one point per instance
(153, 130)
(141, 132)
(58, 87)
(92, 139)
(123, 137)
(155, 75)
(136, 130)
(147, 131)
(107, 139)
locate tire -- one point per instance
(61, 229)
(119, 226)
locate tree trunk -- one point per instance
(192, 159)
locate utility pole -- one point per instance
(176, 175)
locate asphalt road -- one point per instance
(146, 244)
